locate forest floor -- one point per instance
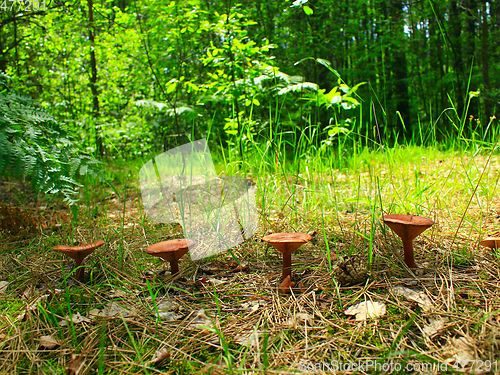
(227, 315)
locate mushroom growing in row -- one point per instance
(171, 251)
(287, 243)
(408, 227)
(78, 253)
(492, 242)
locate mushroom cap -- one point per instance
(493, 242)
(171, 250)
(78, 252)
(409, 226)
(287, 242)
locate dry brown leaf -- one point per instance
(75, 366)
(300, 318)
(244, 267)
(160, 355)
(461, 352)
(215, 281)
(48, 342)
(366, 310)
(419, 297)
(304, 317)
(3, 286)
(114, 310)
(249, 339)
(434, 327)
(76, 319)
(168, 316)
(200, 320)
(250, 305)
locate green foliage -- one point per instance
(34, 145)
(171, 70)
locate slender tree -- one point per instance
(93, 79)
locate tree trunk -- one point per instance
(436, 62)
(93, 80)
(458, 64)
(469, 48)
(399, 70)
(3, 55)
(485, 63)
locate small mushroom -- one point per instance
(78, 253)
(287, 243)
(408, 227)
(493, 242)
(171, 251)
(286, 285)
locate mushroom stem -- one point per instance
(287, 264)
(408, 252)
(174, 267)
(80, 271)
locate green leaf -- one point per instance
(171, 86)
(335, 130)
(307, 10)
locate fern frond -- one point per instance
(298, 87)
(35, 146)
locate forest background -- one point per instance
(128, 76)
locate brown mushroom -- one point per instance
(78, 253)
(171, 251)
(493, 242)
(287, 243)
(408, 227)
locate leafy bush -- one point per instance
(34, 146)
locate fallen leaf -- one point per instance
(160, 356)
(304, 317)
(248, 339)
(48, 342)
(251, 305)
(200, 320)
(434, 327)
(419, 297)
(76, 365)
(168, 316)
(76, 319)
(243, 267)
(3, 286)
(111, 310)
(366, 310)
(118, 293)
(461, 351)
(215, 281)
(300, 318)
(166, 310)
(167, 305)
(94, 313)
